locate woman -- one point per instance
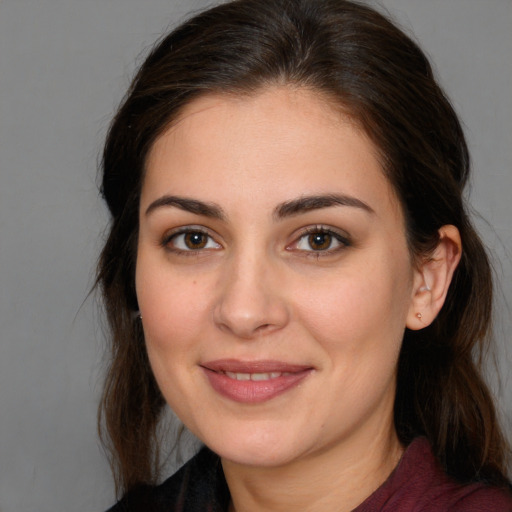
(291, 268)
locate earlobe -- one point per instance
(432, 279)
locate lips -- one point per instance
(253, 382)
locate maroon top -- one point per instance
(418, 484)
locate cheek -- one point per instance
(172, 306)
(173, 310)
(363, 308)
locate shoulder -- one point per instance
(482, 498)
(419, 484)
(197, 486)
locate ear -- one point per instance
(432, 279)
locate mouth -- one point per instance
(253, 382)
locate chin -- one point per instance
(259, 449)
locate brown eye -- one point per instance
(190, 240)
(195, 240)
(320, 241)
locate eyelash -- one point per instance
(342, 240)
(189, 230)
(337, 237)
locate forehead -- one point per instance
(289, 141)
(284, 112)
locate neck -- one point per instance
(337, 479)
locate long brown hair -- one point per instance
(380, 77)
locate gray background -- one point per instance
(64, 65)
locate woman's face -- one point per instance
(273, 277)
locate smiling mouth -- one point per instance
(253, 382)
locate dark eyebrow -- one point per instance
(308, 203)
(189, 205)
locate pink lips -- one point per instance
(253, 381)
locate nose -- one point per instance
(250, 300)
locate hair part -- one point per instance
(365, 65)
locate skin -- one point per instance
(255, 286)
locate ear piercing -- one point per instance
(425, 288)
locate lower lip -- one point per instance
(253, 392)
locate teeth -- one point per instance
(255, 376)
(261, 376)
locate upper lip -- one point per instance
(261, 366)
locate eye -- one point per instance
(319, 239)
(316, 242)
(188, 240)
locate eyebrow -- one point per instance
(189, 205)
(308, 203)
(287, 209)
